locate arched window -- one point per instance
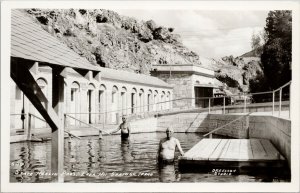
(113, 94)
(141, 100)
(149, 99)
(124, 100)
(74, 90)
(133, 100)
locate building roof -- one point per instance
(184, 68)
(121, 75)
(30, 41)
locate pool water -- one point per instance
(112, 160)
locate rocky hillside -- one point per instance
(236, 72)
(110, 40)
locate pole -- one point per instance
(57, 140)
(245, 103)
(224, 105)
(273, 103)
(280, 96)
(23, 114)
(209, 105)
(29, 127)
(290, 100)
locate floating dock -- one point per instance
(239, 153)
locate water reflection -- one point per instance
(126, 151)
(167, 173)
(26, 163)
(91, 156)
(108, 155)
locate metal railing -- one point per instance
(271, 101)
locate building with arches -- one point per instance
(96, 100)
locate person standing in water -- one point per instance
(167, 147)
(124, 127)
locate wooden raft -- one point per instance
(233, 153)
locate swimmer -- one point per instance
(125, 128)
(167, 147)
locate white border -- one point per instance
(147, 187)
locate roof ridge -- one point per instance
(41, 46)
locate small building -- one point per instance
(189, 81)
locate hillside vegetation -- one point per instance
(110, 40)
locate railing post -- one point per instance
(29, 126)
(210, 136)
(280, 96)
(100, 134)
(245, 103)
(273, 103)
(290, 100)
(224, 105)
(65, 121)
(208, 105)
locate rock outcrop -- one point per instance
(110, 40)
(237, 72)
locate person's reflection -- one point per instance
(126, 150)
(101, 152)
(167, 173)
(91, 157)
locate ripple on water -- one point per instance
(112, 160)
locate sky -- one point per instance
(211, 34)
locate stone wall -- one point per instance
(183, 122)
(204, 123)
(183, 88)
(277, 130)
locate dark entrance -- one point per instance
(132, 102)
(202, 92)
(90, 105)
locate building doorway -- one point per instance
(133, 101)
(90, 105)
(202, 92)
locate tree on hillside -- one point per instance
(256, 44)
(276, 57)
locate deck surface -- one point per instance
(240, 150)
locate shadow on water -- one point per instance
(168, 173)
(126, 151)
(132, 160)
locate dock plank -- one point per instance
(218, 151)
(204, 153)
(257, 149)
(199, 145)
(233, 151)
(245, 150)
(225, 150)
(272, 153)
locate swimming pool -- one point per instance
(112, 160)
